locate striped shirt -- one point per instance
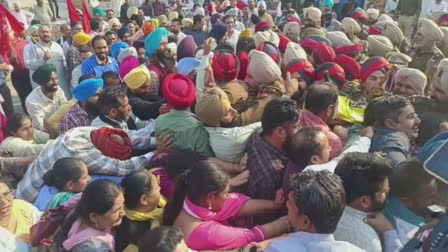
(76, 143)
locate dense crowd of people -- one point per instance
(224, 126)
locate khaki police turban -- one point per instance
(385, 17)
(379, 45)
(338, 39)
(263, 68)
(293, 51)
(430, 30)
(313, 13)
(373, 13)
(442, 71)
(398, 58)
(393, 33)
(212, 106)
(350, 27)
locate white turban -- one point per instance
(130, 51)
(414, 77)
(293, 51)
(393, 32)
(292, 27)
(113, 21)
(338, 39)
(262, 3)
(263, 68)
(313, 13)
(430, 30)
(373, 13)
(442, 71)
(350, 27)
(379, 45)
(268, 35)
(132, 11)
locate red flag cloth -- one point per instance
(86, 17)
(8, 23)
(114, 143)
(72, 13)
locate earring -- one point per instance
(209, 206)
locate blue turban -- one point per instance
(432, 145)
(153, 41)
(87, 89)
(123, 31)
(116, 48)
(99, 11)
(218, 31)
(186, 65)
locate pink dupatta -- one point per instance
(76, 237)
(310, 120)
(219, 235)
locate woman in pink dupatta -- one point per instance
(203, 209)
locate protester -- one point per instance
(45, 100)
(23, 140)
(83, 113)
(219, 97)
(48, 52)
(398, 126)
(68, 177)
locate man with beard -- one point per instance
(48, 52)
(142, 95)
(43, 101)
(100, 62)
(425, 39)
(82, 114)
(116, 112)
(265, 17)
(161, 60)
(266, 153)
(176, 31)
(397, 127)
(366, 184)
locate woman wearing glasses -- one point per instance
(17, 216)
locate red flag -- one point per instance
(8, 23)
(86, 17)
(72, 13)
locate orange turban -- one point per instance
(148, 27)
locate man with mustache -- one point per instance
(100, 62)
(265, 17)
(43, 101)
(161, 60)
(48, 52)
(397, 126)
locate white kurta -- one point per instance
(35, 59)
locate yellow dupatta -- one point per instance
(155, 216)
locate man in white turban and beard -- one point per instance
(425, 48)
(409, 82)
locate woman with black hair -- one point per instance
(23, 140)
(143, 208)
(203, 206)
(68, 177)
(89, 227)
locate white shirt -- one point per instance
(434, 7)
(360, 145)
(310, 242)
(234, 38)
(229, 144)
(180, 37)
(351, 228)
(41, 107)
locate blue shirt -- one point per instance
(92, 66)
(199, 36)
